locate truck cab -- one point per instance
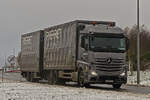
(102, 55)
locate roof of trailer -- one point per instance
(84, 22)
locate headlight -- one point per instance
(122, 74)
(93, 73)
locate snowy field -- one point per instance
(144, 76)
(11, 90)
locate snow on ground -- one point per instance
(36, 91)
(13, 90)
(144, 76)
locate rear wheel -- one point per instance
(28, 77)
(49, 77)
(33, 79)
(117, 86)
(52, 77)
(55, 77)
(61, 81)
(87, 85)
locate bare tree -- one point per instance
(144, 45)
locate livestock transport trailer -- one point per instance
(86, 52)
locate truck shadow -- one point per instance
(93, 86)
(98, 87)
(107, 88)
(124, 88)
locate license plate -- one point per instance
(109, 81)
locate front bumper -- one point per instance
(104, 79)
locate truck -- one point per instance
(82, 51)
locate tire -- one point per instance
(34, 79)
(81, 80)
(50, 77)
(116, 86)
(28, 78)
(87, 85)
(55, 77)
(61, 81)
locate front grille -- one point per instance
(114, 66)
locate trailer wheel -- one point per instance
(34, 79)
(50, 77)
(117, 86)
(55, 77)
(28, 78)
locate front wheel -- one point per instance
(117, 86)
(81, 80)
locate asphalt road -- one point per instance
(124, 88)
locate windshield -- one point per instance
(107, 44)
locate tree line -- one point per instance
(144, 46)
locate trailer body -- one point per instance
(60, 47)
(32, 52)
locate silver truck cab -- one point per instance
(102, 56)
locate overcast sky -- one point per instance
(21, 16)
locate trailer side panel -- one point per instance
(60, 47)
(31, 52)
